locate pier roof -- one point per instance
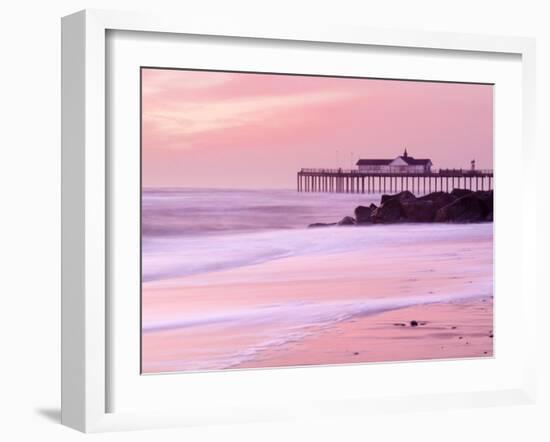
(414, 161)
(384, 162)
(373, 162)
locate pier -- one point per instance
(355, 181)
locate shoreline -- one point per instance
(451, 330)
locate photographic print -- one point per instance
(291, 220)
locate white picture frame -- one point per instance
(86, 210)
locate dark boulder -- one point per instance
(391, 211)
(458, 193)
(439, 199)
(469, 208)
(401, 196)
(419, 211)
(487, 198)
(322, 224)
(346, 221)
(363, 215)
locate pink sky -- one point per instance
(234, 130)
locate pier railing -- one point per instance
(434, 172)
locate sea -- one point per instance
(229, 273)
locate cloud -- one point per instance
(188, 119)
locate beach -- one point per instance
(258, 289)
(461, 329)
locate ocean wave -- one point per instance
(175, 257)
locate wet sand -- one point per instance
(462, 329)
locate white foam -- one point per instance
(175, 257)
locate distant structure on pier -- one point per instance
(401, 164)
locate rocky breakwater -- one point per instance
(458, 206)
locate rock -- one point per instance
(414, 323)
(402, 206)
(322, 224)
(401, 196)
(487, 197)
(346, 221)
(439, 199)
(458, 193)
(469, 208)
(417, 211)
(461, 206)
(363, 215)
(391, 211)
